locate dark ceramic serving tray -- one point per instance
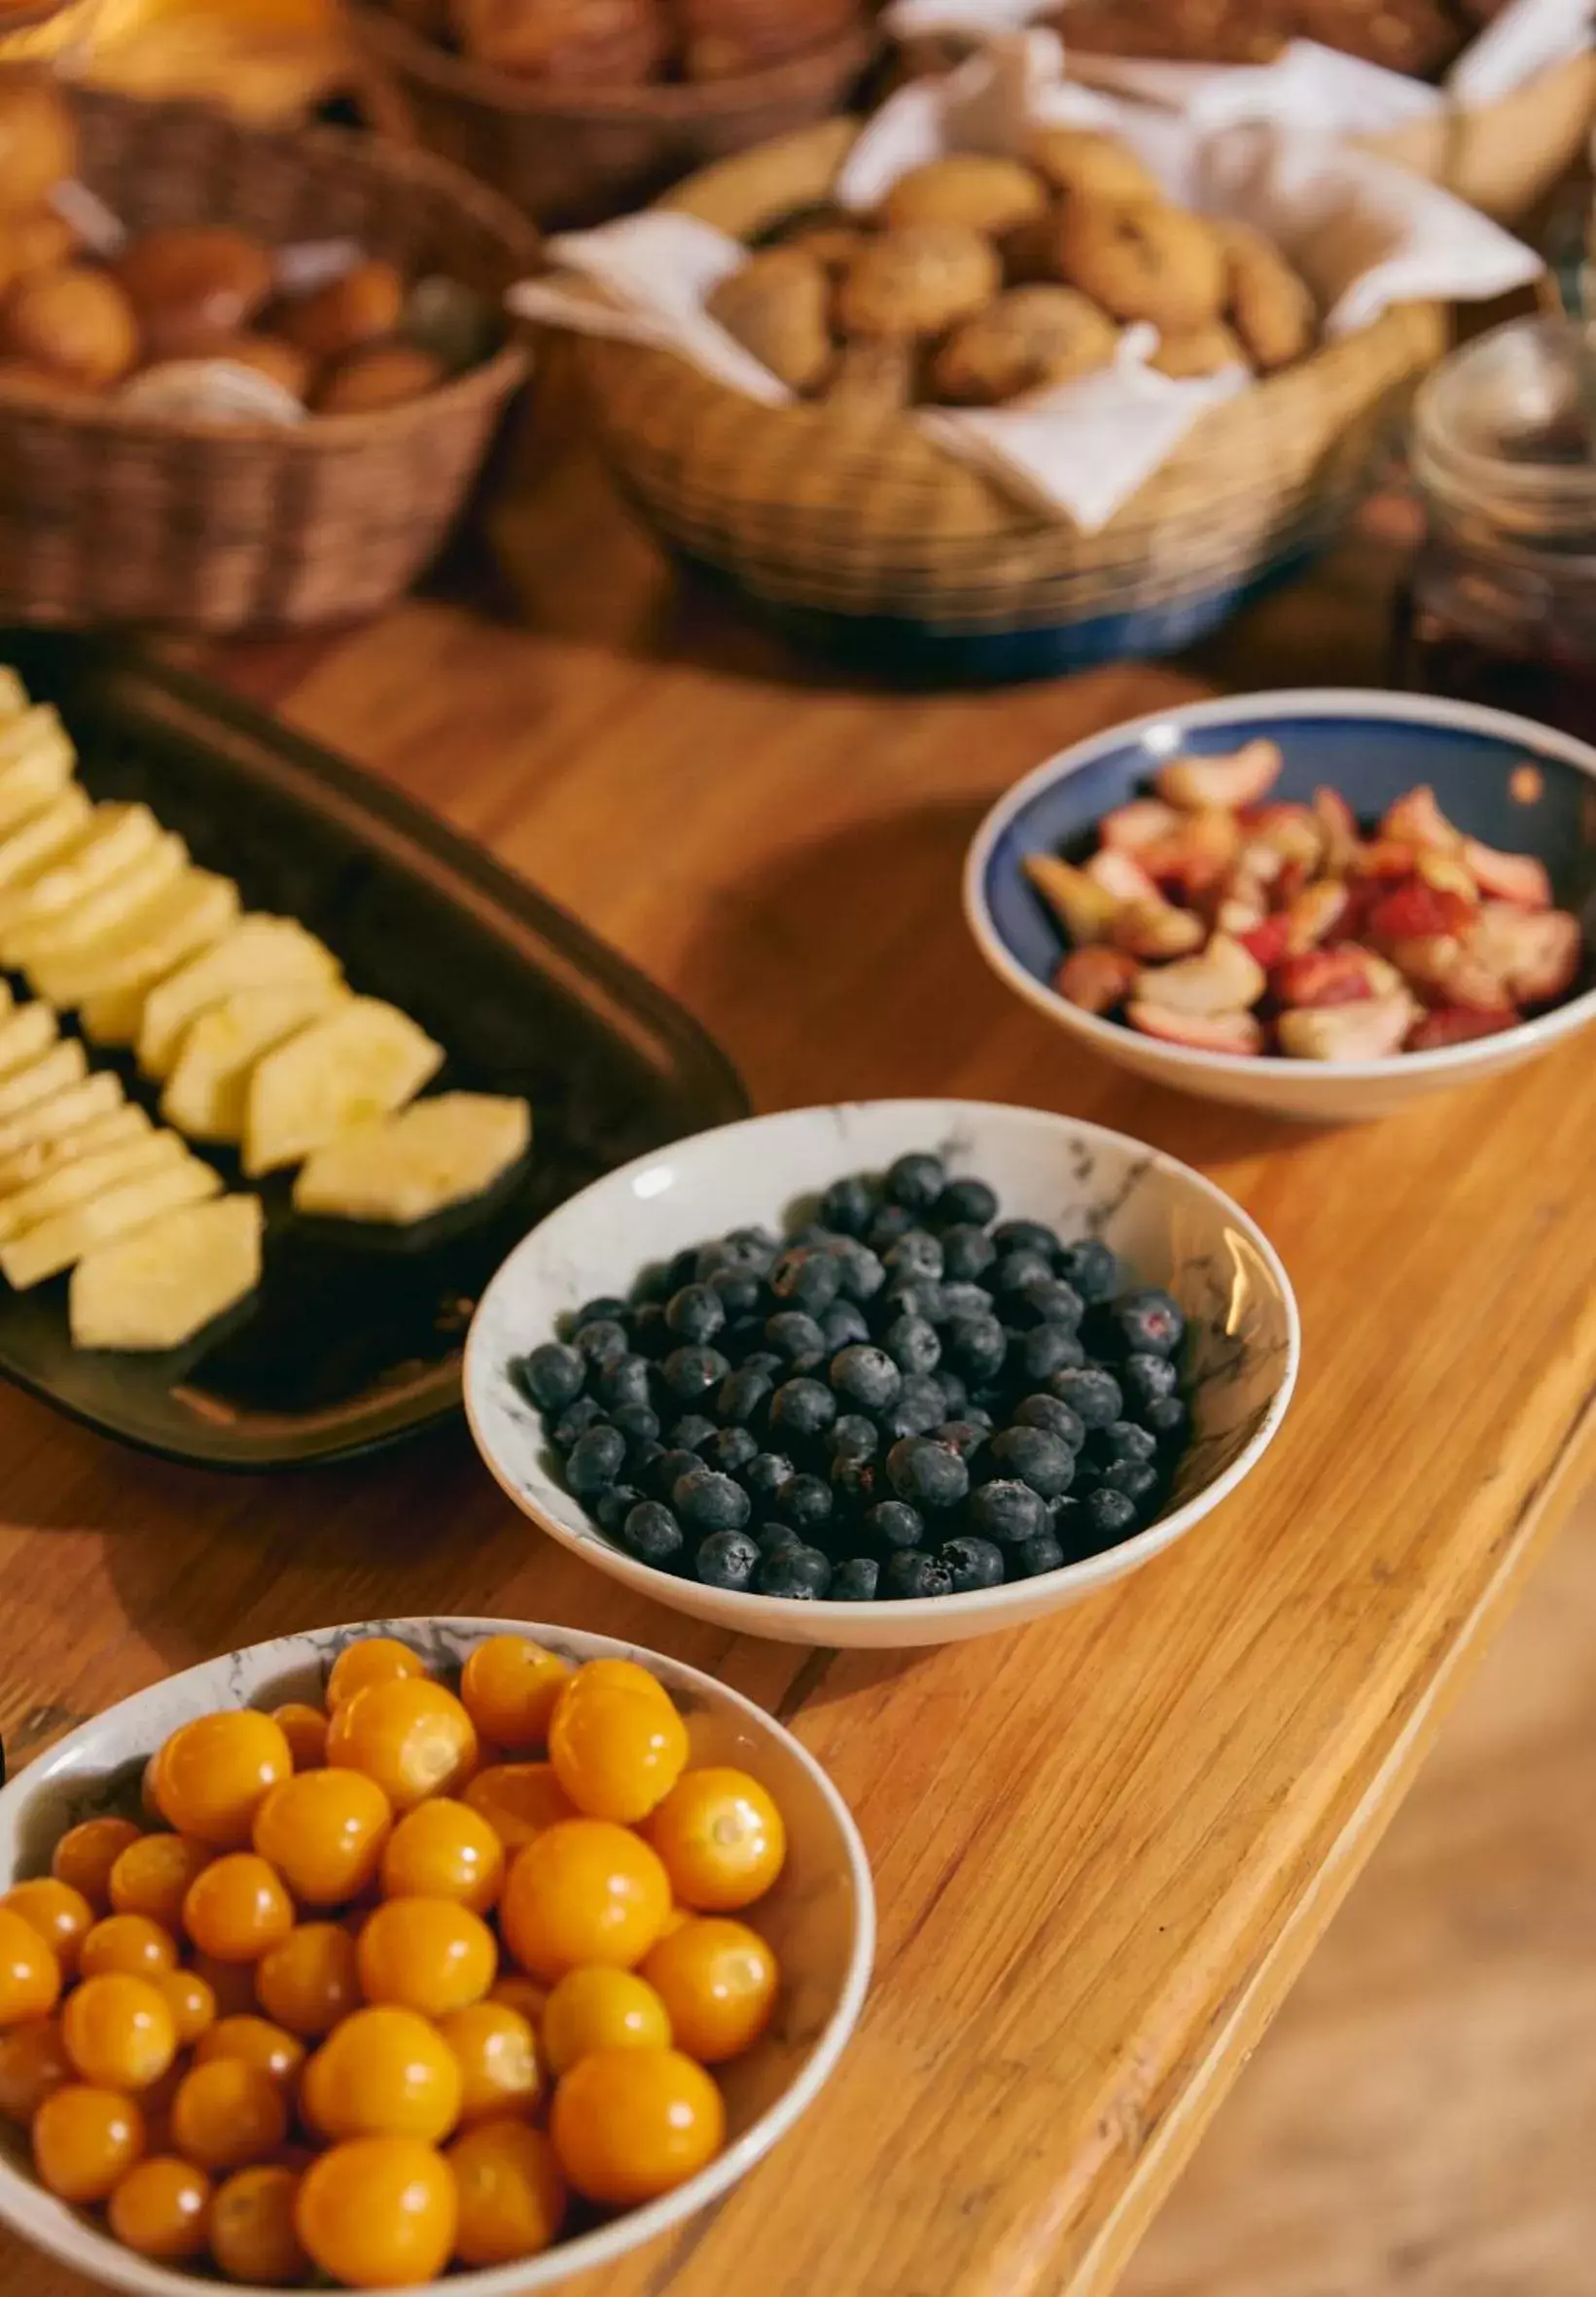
(355, 1336)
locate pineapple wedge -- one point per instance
(407, 1167)
(87, 1176)
(53, 1116)
(88, 917)
(111, 1130)
(27, 1037)
(64, 1064)
(363, 1060)
(36, 763)
(207, 1093)
(260, 953)
(12, 694)
(158, 1287)
(55, 1244)
(43, 837)
(112, 839)
(181, 919)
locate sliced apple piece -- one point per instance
(1158, 928)
(112, 838)
(1440, 966)
(54, 1114)
(1446, 872)
(44, 1252)
(1366, 1031)
(1315, 913)
(1293, 832)
(64, 1065)
(1535, 953)
(1121, 876)
(258, 953)
(363, 1060)
(1145, 820)
(83, 1178)
(1205, 1032)
(207, 1093)
(1507, 877)
(37, 842)
(1095, 980)
(37, 761)
(158, 1287)
(101, 976)
(1197, 855)
(112, 1130)
(1338, 830)
(404, 1168)
(1224, 978)
(1416, 819)
(57, 935)
(27, 1037)
(1084, 909)
(1243, 777)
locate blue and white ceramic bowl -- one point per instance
(1168, 1224)
(820, 1918)
(1371, 747)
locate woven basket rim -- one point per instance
(491, 378)
(419, 59)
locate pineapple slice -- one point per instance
(111, 1130)
(207, 1093)
(112, 839)
(101, 976)
(41, 839)
(55, 1244)
(158, 1287)
(87, 1176)
(64, 1064)
(87, 918)
(363, 1060)
(55, 1115)
(27, 1037)
(260, 953)
(36, 763)
(407, 1167)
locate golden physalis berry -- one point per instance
(718, 1979)
(310, 1981)
(85, 2140)
(324, 1831)
(62, 1916)
(31, 1977)
(214, 1773)
(512, 2196)
(162, 2210)
(721, 1839)
(444, 1849)
(629, 2125)
(374, 1659)
(305, 1730)
(497, 2053)
(584, 1891)
(616, 1750)
(410, 1735)
(252, 2233)
(597, 2008)
(119, 2031)
(378, 2213)
(509, 1685)
(152, 1877)
(384, 2073)
(86, 1855)
(518, 1801)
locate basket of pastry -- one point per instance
(984, 390)
(247, 376)
(579, 109)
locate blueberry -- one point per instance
(1111, 1516)
(927, 1474)
(806, 1277)
(602, 1341)
(968, 1201)
(856, 1580)
(1015, 1273)
(767, 1472)
(961, 1300)
(612, 1507)
(769, 1537)
(1026, 1236)
(963, 1436)
(692, 1431)
(803, 1574)
(917, 1253)
(1040, 1553)
(891, 1221)
(652, 1335)
(847, 1204)
(865, 1376)
(1091, 1268)
(728, 1559)
(804, 1500)
(683, 1267)
(1147, 1323)
(855, 1437)
(636, 1423)
(1036, 1458)
(796, 1338)
(741, 1395)
(1051, 1300)
(750, 1248)
(551, 1376)
(911, 1572)
(912, 1344)
(862, 1271)
(1137, 1483)
(670, 1468)
(1045, 1411)
(1091, 1394)
(895, 1524)
(653, 1284)
(605, 1309)
(651, 1531)
(730, 1450)
(916, 1180)
(1045, 1349)
(763, 1360)
(576, 1419)
(972, 1564)
(1149, 1379)
(854, 1483)
(976, 1346)
(710, 1502)
(920, 1297)
(977, 1415)
(642, 1459)
(966, 1253)
(803, 1408)
(690, 1373)
(739, 1291)
(1123, 1439)
(844, 1326)
(1007, 1511)
(1168, 1419)
(920, 1406)
(624, 1381)
(955, 1395)
(595, 1460)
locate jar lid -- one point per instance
(1501, 431)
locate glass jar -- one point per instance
(1501, 605)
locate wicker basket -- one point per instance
(867, 536)
(110, 516)
(570, 156)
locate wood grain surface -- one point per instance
(1104, 1846)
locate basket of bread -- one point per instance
(1018, 377)
(247, 375)
(579, 109)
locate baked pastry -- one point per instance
(970, 188)
(776, 308)
(279, 361)
(723, 39)
(1030, 250)
(1029, 337)
(192, 284)
(870, 379)
(1416, 37)
(1270, 307)
(380, 374)
(1085, 165)
(917, 281)
(75, 323)
(362, 305)
(834, 245)
(1147, 261)
(38, 140)
(1199, 351)
(614, 42)
(37, 241)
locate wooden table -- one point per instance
(1103, 1846)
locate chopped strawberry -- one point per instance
(1331, 976)
(1456, 1024)
(1266, 941)
(1384, 859)
(1293, 876)
(1415, 910)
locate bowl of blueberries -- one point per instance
(882, 1374)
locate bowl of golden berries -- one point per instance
(427, 1949)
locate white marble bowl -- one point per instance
(820, 1918)
(1169, 1225)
